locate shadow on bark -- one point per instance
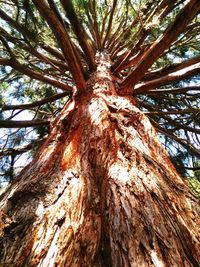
(100, 192)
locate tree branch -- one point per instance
(155, 74)
(179, 140)
(20, 124)
(36, 103)
(15, 25)
(172, 77)
(179, 25)
(173, 90)
(109, 27)
(80, 33)
(171, 112)
(64, 41)
(57, 65)
(20, 150)
(34, 74)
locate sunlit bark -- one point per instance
(100, 192)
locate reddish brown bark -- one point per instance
(64, 41)
(100, 192)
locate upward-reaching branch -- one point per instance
(158, 47)
(82, 36)
(110, 22)
(167, 79)
(64, 41)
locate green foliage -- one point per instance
(194, 183)
(197, 172)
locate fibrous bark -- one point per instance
(100, 192)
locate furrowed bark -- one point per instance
(100, 192)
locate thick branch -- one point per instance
(173, 90)
(148, 22)
(21, 124)
(161, 44)
(94, 27)
(173, 77)
(36, 103)
(20, 150)
(110, 22)
(170, 112)
(64, 41)
(171, 69)
(34, 74)
(80, 33)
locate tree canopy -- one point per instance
(47, 54)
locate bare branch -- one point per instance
(192, 168)
(64, 41)
(179, 140)
(15, 25)
(36, 103)
(81, 34)
(20, 124)
(109, 27)
(34, 74)
(20, 150)
(155, 74)
(170, 112)
(172, 77)
(173, 90)
(161, 44)
(91, 14)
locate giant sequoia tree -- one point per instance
(101, 190)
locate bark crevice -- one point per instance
(101, 192)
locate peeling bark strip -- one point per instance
(100, 192)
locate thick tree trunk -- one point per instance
(100, 192)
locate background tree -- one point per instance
(101, 191)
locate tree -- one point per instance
(101, 190)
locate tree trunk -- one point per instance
(100, 192)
